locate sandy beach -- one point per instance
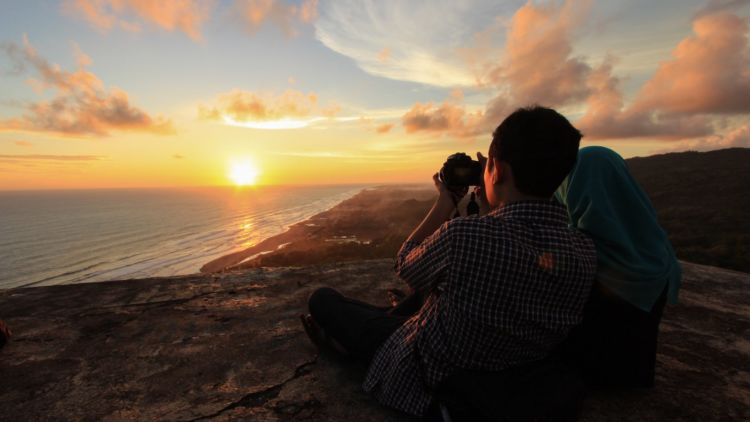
(370, 225)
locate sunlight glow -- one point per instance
(285, 123)
(244, 173)
(272, 124)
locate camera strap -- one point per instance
(472, 208)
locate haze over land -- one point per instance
(701, 200)
(125, 93)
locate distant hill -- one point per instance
(703, 201)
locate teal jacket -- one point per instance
(634, 256)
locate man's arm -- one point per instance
(440, 212)
(423, 264)
(425, 255)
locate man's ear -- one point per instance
(497, 174)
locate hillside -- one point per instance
(703, 201)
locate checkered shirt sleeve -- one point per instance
(423, 265)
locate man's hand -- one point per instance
(441, 211)
(455, 194)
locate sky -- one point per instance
(137, 93)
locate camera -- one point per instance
(459, 170)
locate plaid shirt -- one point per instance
(502, 290)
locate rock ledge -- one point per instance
(206, 347)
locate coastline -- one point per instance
(72, 237)
(371, 224)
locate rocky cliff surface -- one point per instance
(223, 347)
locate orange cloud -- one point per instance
(707, 75)
(81, 105)
(450, 117)
(384, 55)
(384, 128)
(709, 71)
(184, 15)
(606, 118)
(23, 143)
(244, 106)
(446, 117)
(308, 11)
(255, 13)
(538, 66)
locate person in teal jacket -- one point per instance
(637, 272)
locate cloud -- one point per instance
(452, 118)
(178, 156)
(250, 106)
(291, 109)
(384, 55)
(315, 154)
(185, 15)
(345, 156)
(422, 37)
(42, 157)
(715, 6)
(709, 71)
(428, 117)
(708, 74)
(606, 117)
(81, 105)
(23, 143)
(739, 137)
(384, 128)
(255, 13)
(12, 162)
(538, 66)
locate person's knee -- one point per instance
(321, 302)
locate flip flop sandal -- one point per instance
(318, 337)
(395, 296)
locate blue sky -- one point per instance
(377, 79)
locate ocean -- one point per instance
(79, 236)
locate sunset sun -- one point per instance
(244, 173)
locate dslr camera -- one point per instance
(460, 171)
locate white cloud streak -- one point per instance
(422, 38)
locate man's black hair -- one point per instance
(540, 146)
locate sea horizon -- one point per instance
(69, 236)
(226, 186)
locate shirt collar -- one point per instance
(540, 210)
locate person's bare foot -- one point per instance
(318, 337)
(395, 296)
(312, 330)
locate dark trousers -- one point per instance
(615, 344)
(358, 326)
